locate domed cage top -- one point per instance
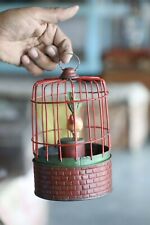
(55, 102)
(70, 124)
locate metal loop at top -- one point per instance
(77, 66)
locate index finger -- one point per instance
(54, 15)
(64, 45)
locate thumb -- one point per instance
(57, 14)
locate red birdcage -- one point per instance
(70, 136)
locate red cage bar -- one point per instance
(70, 137)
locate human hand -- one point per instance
(30, 37)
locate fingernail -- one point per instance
(66, 58)
(33, 52)
(25, 59)
(50, 51)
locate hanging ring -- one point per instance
(77, 58)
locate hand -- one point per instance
(30, 37)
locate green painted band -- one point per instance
(71, 162)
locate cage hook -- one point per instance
(77, 58)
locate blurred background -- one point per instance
(112, 39)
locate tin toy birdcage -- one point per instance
(70, 137)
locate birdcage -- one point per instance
(70, 137)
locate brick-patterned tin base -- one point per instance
(66, 184)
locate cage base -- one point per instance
(71, 184)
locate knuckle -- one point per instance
(53, 26)
(68, 40)
(66, 45)
(37, 73)
(52, 67)
(35, 9)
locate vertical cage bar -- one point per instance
(80, 98)
(100, 110)
(36, 124)
(66, 107)
(89, 121)
(58, 129)
(74, 110)
(53, 110)
(103, 118)
(33, 122)
(46, 130)
(42, 114)
(107, 115)
(93, 110)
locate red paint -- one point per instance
(88, 127)
(69, 185)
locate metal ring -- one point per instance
(77, 66)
